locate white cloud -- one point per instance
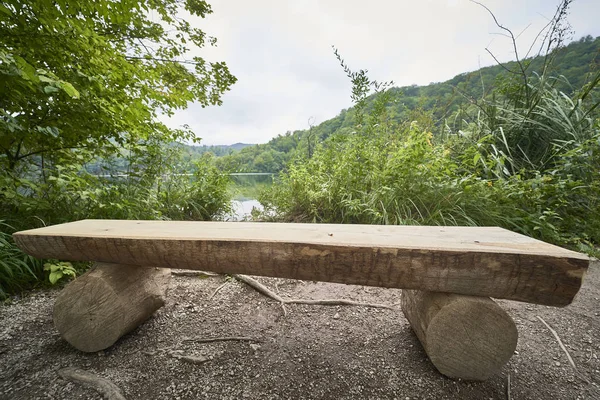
(280, 51)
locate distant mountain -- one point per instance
(574, 62)
(218, 149)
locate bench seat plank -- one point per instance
(478, 261)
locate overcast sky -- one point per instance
(280, 51)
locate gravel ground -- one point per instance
(313, 352)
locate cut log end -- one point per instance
(465, 337)
(105, 303)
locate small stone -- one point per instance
(557, 364)
(336, 316)
(255, 346)
(192, 359)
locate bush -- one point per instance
(58, 193)
(532, 168)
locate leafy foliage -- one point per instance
(527, 162)
(446, 105)
(81, 86)
(89, 75)
(59, 270)
(17, 269)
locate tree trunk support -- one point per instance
(465, 337)
(108, 301)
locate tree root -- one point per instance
(179, 354)
(560, 343)
(338, 302)
(196, 360)
(218, 289)
(192, 359)
(564, 349)
(194, 274)
(259, 287)
(262, 289)
(103, 386)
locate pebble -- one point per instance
(336, 316)
(557, 364)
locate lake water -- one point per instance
(245, 190)
(242, 209)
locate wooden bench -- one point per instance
(449, 273)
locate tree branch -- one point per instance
(514, 43)
(162, 60)
(47, 150)
(500, 64)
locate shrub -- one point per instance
(531, 167)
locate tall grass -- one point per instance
(17, 269)
(534, 169)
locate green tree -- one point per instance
(82, 84)
(90, 75)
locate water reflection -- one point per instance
(245, 191)
(242, 209)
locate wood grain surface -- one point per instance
(465, 337)
(96, 309)
(478, 261)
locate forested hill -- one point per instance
(441, 100)
(218, 150)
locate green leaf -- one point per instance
(55, 277)
(70, 272)
(5, 10)
(26, 70)
(50, 89)
(69, 89)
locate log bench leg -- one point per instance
(108, 301)
(465, 337)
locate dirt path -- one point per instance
(315, 352)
